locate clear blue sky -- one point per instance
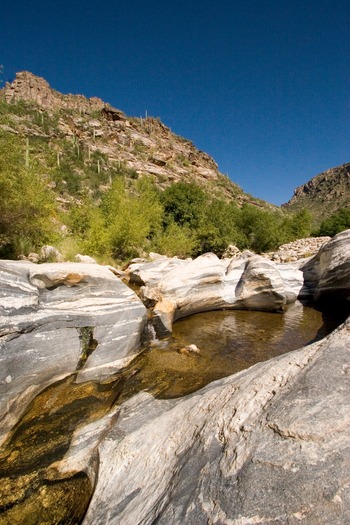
(260, 85)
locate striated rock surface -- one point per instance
(60, 318)
(328, 273)
(178, 288)
(267, 445)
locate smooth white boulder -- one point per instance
(209, 283)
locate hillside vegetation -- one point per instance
(80, 174)
(324, 195)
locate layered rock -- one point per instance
(327, 274)
(179, 288)
(267, 445)
(176, 288)
(60, 318)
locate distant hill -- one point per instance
(324, 194)
(91, 141)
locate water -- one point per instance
(33, 492)
(229, 341)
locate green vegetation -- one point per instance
(337, 222)
(57, 189)
(128, 219)
(28, 217)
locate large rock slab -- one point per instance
(60, 318)
(327, 274)
(267, 445)
(176, 289)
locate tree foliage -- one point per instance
(28, 210)
(336, 223)
(130, 218)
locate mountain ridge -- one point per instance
(142, 145)
(324, 194)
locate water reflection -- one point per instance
(229, 341)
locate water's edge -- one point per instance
(34, 491)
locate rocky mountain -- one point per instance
(324, 194)
(90, 136)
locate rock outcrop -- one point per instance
(60, 318)
(324, 194)
(144, 146)
(175, 288)
(178, 288)
(328, 273)
(267, 445)
(27, 86)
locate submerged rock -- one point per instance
(60, 318)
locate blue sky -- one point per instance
(262, 86)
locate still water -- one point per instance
(228, 341)
(33, 492)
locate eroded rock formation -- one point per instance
(178, 288)
(267, 445)
(60, 318)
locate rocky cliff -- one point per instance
(323, 194)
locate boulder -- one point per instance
(179, 288)
(50, 254)
(265, 286)
(327, 274)
(84, 259)
(146, 272)
(57, 319)
(267, 445)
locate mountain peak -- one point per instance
(31, 88)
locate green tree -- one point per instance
(28, 210)
(184, 204)
(218, 227)
(132, 217)
(336, 223)
(296, 226)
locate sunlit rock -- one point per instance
(269, 444)
(327, 274)
(209, 283)
(61, 318)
